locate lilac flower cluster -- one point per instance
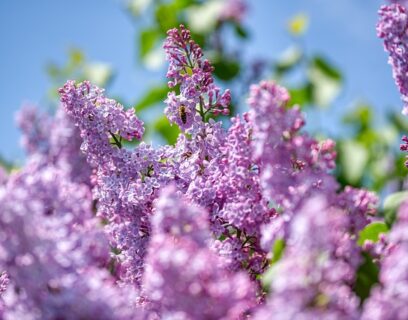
(388, 300)
(198, 94)
(401, 2)
(183, 231)
(205, 289)
(233, 10)
(392, 28)
(54, 140)
(54, 251)
(312, 281)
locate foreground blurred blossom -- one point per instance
(313, 279)
(388, 300)
(183, 276)
(53, 250)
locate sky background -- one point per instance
(34, 33)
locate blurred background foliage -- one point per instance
(368, 153)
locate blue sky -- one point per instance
(33, 33)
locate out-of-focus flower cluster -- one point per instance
(93, 229)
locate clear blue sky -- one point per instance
(33, 33)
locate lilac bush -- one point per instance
(238, 222)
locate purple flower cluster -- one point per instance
(182, 231)
(54, 140)
(184, 279)
(199, 96)
(389, 299)
(233, 10)
(54, 251)
(392, 28)
(401, 2)
(313, 279)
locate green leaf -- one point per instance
(166, 16)
(367, 276)
(289, 59)
(226, 69)
(155, 95)
(137, 7)
(98, 73)
(147, 41)
(168, 132)
(300, 96)
(240, 30)
(371, 232)
(204, 18)
(353, 159)
(277, 253)
(392, 204)
(361, 116)
(326, 81)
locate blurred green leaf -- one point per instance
(353, 160)
(226, 69)
(371, 232)
(361, 116)
(240, 30)
(392, 204)
(182, 4)
(300, 96)
(277, 250)
(288, 60)
(367, 277)
(326, 81)
(399, 121)
(98, 73)
(204, 18)
(168, 132)
(138, 7)
(147, 41)
(153, 96)
(166, 16)
(277, 253)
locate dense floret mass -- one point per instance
(239, 222)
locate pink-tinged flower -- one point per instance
(233, 10)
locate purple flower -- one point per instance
(184, 279)
(54, 251)
(313, 278)
(233, 10)
(198, 94)
(388, 299)
(392, 28)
